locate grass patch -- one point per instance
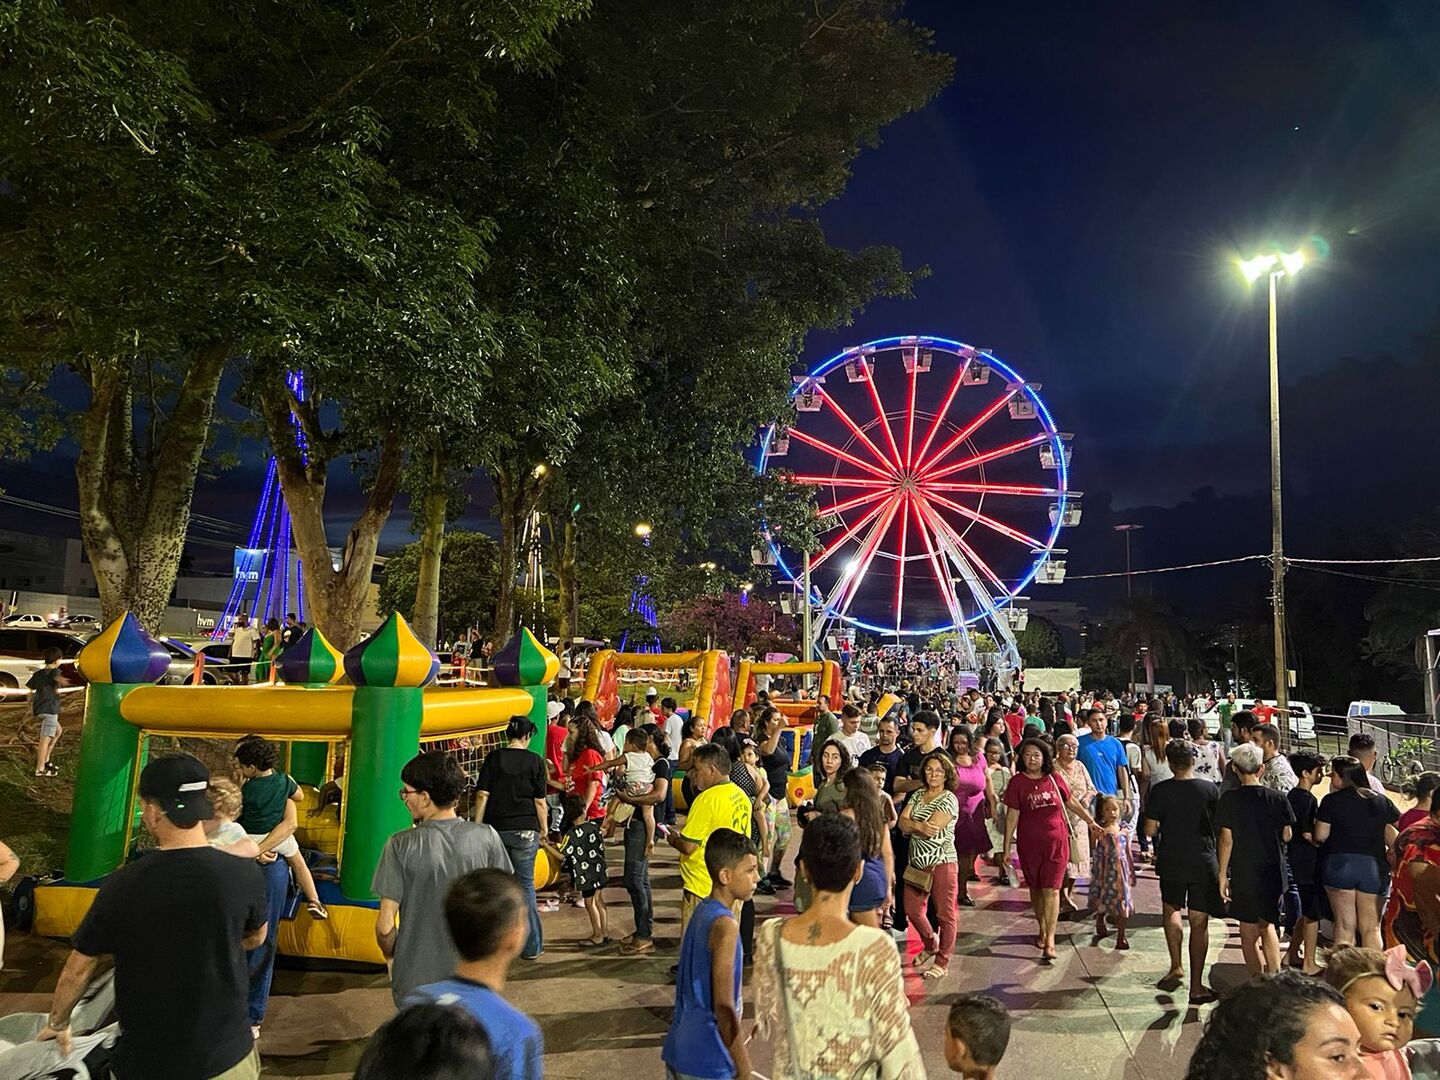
(35, 810)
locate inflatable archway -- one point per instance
(381, 719)
(801, 711)
(712, 683)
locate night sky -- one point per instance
(1079, 192)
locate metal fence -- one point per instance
(1405, 745)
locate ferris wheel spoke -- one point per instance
(988, 455)
(821, 480)
(986, 520)
(850, 531)
(943, 528)
(965, 432)
(872, 544)
(855, 428)
(942, 580)
(900, 566)
(843, 455)
(884, 420)
(944, 408)
(851, 504)
(910, 419)
(992, 489)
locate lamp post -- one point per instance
(1274, 267)
(1129, 589)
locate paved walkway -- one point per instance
(1095, 1013)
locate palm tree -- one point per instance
(1153, 629)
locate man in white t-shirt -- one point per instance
(243, 639)
(673, 724)
(855, 741)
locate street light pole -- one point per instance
(1129, 590)
(807, 646)
(1274, 267)
(1277, 534)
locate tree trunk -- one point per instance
(337, 595)
(426, 623)
(567, 582)
(1150, 671)
(516, 495)
(134, 510)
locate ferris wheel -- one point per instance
(942, 483)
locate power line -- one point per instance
(1368, 562)
(1429, 586)
(1168, 569)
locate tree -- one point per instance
(1040, 643)
(467, 582)
(728, 623)
(1102, 669)
(182, 191)
(687, 155)
(980, 641)
(1153, 630)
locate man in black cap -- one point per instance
(178, 922)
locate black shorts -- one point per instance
(1310, 895)
(1263, 907)
(1196, 896)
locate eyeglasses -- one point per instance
(404, 791)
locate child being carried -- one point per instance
(639, 780)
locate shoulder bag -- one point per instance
(1064, 810)
(919, 877)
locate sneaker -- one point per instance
(51, 769)
(779, 880)
(766, 887)
(547, 903)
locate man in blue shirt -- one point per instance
(485, 911)
(1104, 759)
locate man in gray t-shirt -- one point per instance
(416, 870)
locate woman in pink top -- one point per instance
(977, 803)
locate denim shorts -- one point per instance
(49, 725)
(1363, 873)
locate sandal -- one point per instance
(923, 957)
(637, 948)
(591, 943)
(936, 972)
(317, 910)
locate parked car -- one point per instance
(27, 619)
(14, 674)
(1302, 718)
(182, 663)
(81, 622)
(28, 644)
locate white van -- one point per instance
(1302, 718)
(1373, 708)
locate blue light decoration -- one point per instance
(643, 604)
(265, 561)
(1053, 439)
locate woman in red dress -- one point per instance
(1037, 799)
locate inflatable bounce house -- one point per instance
(712, 681)
(349, 723)
(799, 711)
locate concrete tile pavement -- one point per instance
(1095, 1013)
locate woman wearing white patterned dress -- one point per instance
(829, 994)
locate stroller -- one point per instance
(95, 1034)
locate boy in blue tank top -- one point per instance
(705, 1041)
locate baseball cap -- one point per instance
(180, 783)
(554, 709)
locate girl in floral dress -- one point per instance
(1112, 873)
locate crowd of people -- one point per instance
(909, 807)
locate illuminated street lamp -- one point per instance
(1275, 266)
(643, 529)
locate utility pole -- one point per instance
(1129, 589)
(1277, 534)
(806, 617)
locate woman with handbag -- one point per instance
(829, 995)
(929, 821)
(1042, 813)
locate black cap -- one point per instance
(180, 784)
